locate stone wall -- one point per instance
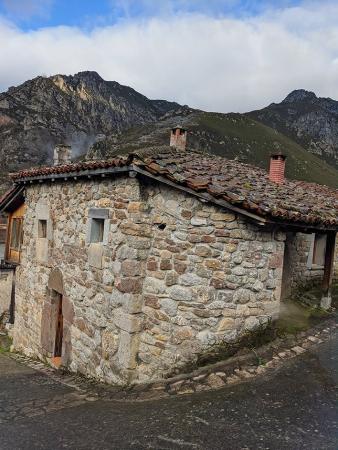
(6, 277)
(174, 277)
(101, 333)
(3, 228)
(210, 277)
(299, 270)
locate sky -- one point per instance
(217, 55)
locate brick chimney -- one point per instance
(62, 154)
(178, 138)
(277, 167)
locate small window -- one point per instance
(42, 228)
(319, 247)
(97, 230)
(16, 234)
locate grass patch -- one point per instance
(237, 135)
(296, 317)
(304, 311)
(5, 343)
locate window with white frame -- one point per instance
(97, 230)
(98, 226)
(42, 228)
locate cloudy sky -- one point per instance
(218, 55)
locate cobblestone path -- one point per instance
(292, 408)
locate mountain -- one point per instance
(309, 120)
(103, 118)
(76, 110)
(234, 136)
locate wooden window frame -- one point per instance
(318, 236)
(19, 234)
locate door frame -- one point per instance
(58, 327)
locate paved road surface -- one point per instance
(292, 408)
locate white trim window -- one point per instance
(316, 258)
(98, 226)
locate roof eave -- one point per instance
(73, 175)
(203, 196)
(14, 199)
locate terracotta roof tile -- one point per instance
(71, 168)
(240, 184)
(245, 186)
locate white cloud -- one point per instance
(221, 64)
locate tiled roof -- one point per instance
(245, 186)
(70, 168)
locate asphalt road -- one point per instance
(292, 408)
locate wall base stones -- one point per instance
(6, 279)
(222, 374)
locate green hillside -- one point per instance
(233, 136)
(253, 142)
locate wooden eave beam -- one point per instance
(301, 227)
(75, 175)
(6, 204)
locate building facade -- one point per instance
(127, 277)
(166, 278)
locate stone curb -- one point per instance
(224, 373)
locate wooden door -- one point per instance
(15, 235)
(59, 328)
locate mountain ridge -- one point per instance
(233, 135)
(101, 118)
(75, 109)
(310, 121)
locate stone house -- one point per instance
(132, 268)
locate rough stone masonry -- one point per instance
(172, 277)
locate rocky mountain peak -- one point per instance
(88, 112)
(309, 120)
(88, 75)
(300, 95)
(87, 78)
(75, 109)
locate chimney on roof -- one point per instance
(277, 167)
(178, 138)
(62, 154)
